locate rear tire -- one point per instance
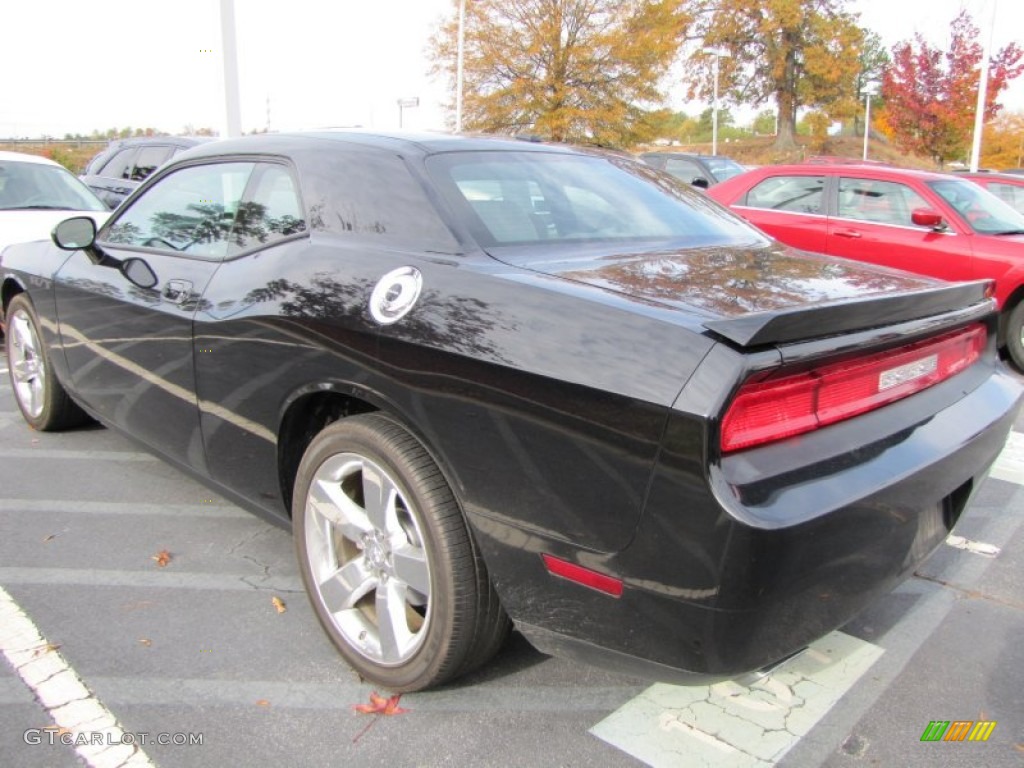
(1015, 335)
(41, 397)
(390, 567)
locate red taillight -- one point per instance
(768, 410)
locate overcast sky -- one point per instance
(71, 66)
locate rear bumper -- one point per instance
(736, 567)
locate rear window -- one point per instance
(519, 198)
(798, 194)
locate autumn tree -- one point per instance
(1003, 143)
(795, 52)
(569, 70)
(931, 95)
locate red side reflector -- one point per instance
(775, 408)
(584, 576)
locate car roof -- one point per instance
(23, 157)
(834, 169)
(423, 143)
(993, 176)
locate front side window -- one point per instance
(985, 213)
(120, 165)
(881, 202)
(190, 211)
(522, 198)
(684, 169)
(799, 194)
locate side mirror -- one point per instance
(926, 217)
(138, 272)
(700, 182)
(75, 234)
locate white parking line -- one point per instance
(73, 709)
(732, 725)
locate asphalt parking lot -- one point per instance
(142, 608)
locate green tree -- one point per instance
(569, 70)
(874, 60)
(764, 123)
(795, 52)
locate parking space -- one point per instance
(215, 640)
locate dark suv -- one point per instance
(116, 171)
(700, 170)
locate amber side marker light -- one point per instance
(585, 576)
(778, 407)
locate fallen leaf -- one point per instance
(145, 641)
(163, 557)
(58, 729)
(380, 706)
(44, 649)
(51, 537)
(278, 603)
(262, 703)
(1019, 747)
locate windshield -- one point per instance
(523, 198)
(983, 212)
(35, 186)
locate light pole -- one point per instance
(979, 111)
(459, 65)
(718, 53)
(405, 103)
(870, 89)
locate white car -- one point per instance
(36, 194)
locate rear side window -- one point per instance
(881, 202)
(1009, 193)
(372, 194)
(270, 211)
(800, 194)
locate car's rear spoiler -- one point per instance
(804, 324)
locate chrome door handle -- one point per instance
(177, 291)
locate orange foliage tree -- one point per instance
(564, 69)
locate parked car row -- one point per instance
(35, 194)
(934, 224)
(490, 383)
(117, 171)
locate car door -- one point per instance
(129, 347)
(790, 208)
(873, 223)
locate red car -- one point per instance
(1006, 186)
(931, 223)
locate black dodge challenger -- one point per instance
(494, 383)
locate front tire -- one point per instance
(387, 560)
(41, 397)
